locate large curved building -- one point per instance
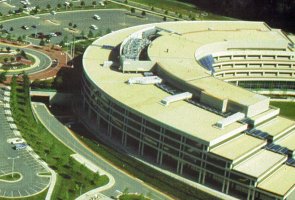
(161, 91)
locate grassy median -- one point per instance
(73, 178)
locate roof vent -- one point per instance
(177, 97)
(145, 80)
(230, 119)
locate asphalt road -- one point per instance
(26, 165)
(122, 180)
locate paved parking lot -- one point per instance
(46, 23)
(15, 4)
(25, 164)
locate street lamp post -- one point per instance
(12, 168)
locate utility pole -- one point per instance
(12, 168)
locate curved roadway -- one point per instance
(122, 180)
(43, 59)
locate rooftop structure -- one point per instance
(214, 132)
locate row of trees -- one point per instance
(71, 5)
(280, 13)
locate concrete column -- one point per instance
(124, 139)
(142, 148)
(83, 103)
(89, 111)
(142, 130)
(203, 178)
(109, 130)
(98, 120)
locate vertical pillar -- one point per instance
(97, 120)
(180, 155)
(159, 147)
(142, 132)
(89, 111)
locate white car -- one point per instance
(16, 140)
(93, 27)
(52, 34)
(97, 17)
(25, 2)
(25, 27)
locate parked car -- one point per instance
(25, 27)
(58, 33)
(94, 27)
(97, 17)
(52, 35)
(20, 146)
(16, 140)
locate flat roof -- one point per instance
(145, 99)
(287, 141)
(276, 126)
(246, 144)
(280, 181)
(260, 163)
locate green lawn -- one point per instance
(73, 177)
(9, 177)
(287, 109)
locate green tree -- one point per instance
(62, 43)
(42, 43)
(108, 30)
(19, 39)
(126, 190)
(132, 10)
(90, 34)
(82, 3)
(48, 6)
(8, 37)
(23, 54)
(94, 4)
(70, 24)
(58, 5)
(3, 76)
(164, 18)
(8, 49)
(143, 13)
